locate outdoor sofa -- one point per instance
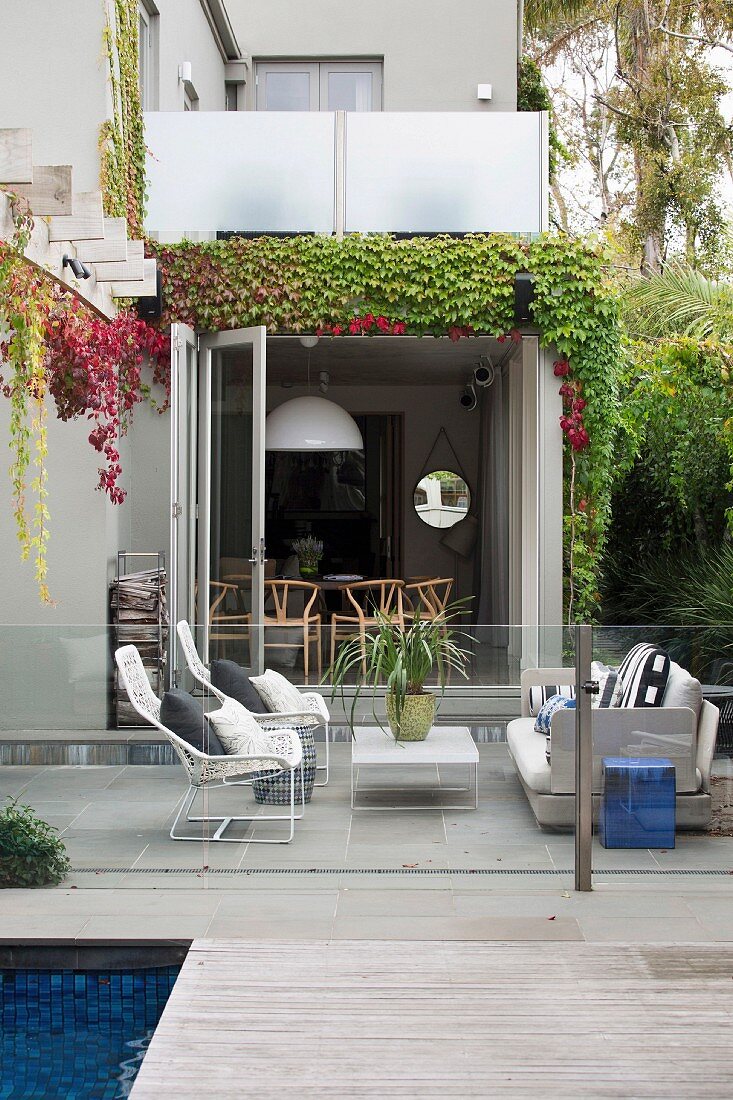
(677, 732)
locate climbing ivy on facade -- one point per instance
(436, 287)
(55, 352)
(122, 137)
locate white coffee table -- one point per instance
(373, 747)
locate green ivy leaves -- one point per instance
(434, 286)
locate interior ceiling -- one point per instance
(379, 361)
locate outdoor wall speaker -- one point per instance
(523, 297)
(483, 374)
(468, 398)
(151, 308)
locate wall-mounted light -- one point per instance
(308, 341)
(80, 270)
(484, 92)
(185, 72)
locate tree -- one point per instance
(661, 105)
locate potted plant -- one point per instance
(401, 659)
(310, 552)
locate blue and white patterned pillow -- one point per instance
(553, 704)
(544, 718)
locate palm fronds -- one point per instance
(541, 15)
(680, 302)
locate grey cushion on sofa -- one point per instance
(682, 690)
(234, 682)
(184, 716)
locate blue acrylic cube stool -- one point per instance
(638, 802)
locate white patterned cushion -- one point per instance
(610, 686)
(277, 693)
(238, 731)
(540, 693)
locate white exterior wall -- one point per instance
(54, 80)
(184, 35)
(54, 74)
(435, 53)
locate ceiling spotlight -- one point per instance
(483, 374)
(308, 341)
(80, 270)
(468, 398)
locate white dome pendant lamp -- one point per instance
(311, 424)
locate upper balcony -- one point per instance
(323, 172)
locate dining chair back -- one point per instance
(291, 603)
(430, 597)
(366, 598)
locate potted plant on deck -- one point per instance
(400, 659)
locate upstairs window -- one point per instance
(319, 85)
(147, 29)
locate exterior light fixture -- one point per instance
(80, 270)
(311, 424)
(308, 342)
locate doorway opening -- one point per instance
(435, 491)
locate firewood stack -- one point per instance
(140, 618)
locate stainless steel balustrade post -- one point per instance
(584, 690)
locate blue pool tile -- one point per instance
(77, 1035)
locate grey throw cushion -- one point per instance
(184, 716)
(234, 682)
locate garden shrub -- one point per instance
(31, 852)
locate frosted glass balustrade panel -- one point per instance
(444, 172)
(247, 171)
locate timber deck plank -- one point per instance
(450, 1019)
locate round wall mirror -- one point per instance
(442, 498)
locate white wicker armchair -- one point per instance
(314, 712)
(204, 770)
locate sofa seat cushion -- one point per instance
(528, 751)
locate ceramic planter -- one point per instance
(418, 715)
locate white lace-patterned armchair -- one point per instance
(209, 771)
(314, 712)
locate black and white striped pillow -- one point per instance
(644, 673)
(540, 693)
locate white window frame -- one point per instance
(373, 67)
(318, 72)
(148, 54)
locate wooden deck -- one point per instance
(433, 1019)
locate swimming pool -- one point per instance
(77, 1034)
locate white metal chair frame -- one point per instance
(314, 712)
(207, 771)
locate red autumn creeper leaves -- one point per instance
(95, 370)
(571, 420)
